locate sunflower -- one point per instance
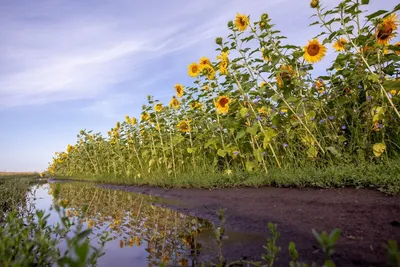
(194, 70)
(340, 44)
(241, 22)
(158, 107)
(314, 51)
(133, 120)
(319, 84)
(127, 119)
(179, 89)
(144, 116)
(184, 126)
(174, 103)
(208, 71)
(386, 30)
(195, 105)
(314, 3)
(285, 75)
(265, 57)
(204, 61)
(222, 104)
(223, 56)
(206, 87)
(223, 67)
(398, 46)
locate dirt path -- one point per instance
(367, 219)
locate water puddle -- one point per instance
(143, 234)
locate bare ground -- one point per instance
(366, 218)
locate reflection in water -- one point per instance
(142, 234)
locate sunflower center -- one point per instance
(313, 49)
(384, 34)
(223, 102)
(242, 22)
(194, 69)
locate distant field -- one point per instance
(18, 174)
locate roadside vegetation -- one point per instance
(258, 116)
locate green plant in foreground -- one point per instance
(27, 239)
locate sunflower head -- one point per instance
(195, 105)
(222, 104)
(144, 116)
(204, 61)
(184, 126)
(340, 44)
(179, 90)
(158, 107)
(194, 70)
(386, 30)
(127, 119)
(285, 75)
(241, 22)
(314, 51)
(174, 103)
(133, 120)
(314, 3)
(223, 67)
(208, 70)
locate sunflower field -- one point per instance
(257, 109)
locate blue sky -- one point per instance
(66, 65)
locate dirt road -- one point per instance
(366, 218)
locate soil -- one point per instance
(367, 219)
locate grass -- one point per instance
(383, 176)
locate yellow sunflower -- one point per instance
(340, 44)
(314, 51)
(222, 104)
(194, 70)
(179, 90)
(223, 67)
(285, 75)
(223, 56)
(386, 30)
(184, 126)
(174, 103)
(319, 84)
(204, 61)
(144, 116)
(241, 22)
(133, 120)
(208, 71)
(398, 46)
(195, 105)
(266, 58)
(127, 119)
(158, 107)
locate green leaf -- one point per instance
(334, 236)
(250, 166)
(365, 2)
(243, 112)
(240, 134)
(253, 129)
(189, 150)
(376, 14)
(221, 153)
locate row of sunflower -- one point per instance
(258, 107)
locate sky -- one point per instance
(67, 65)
